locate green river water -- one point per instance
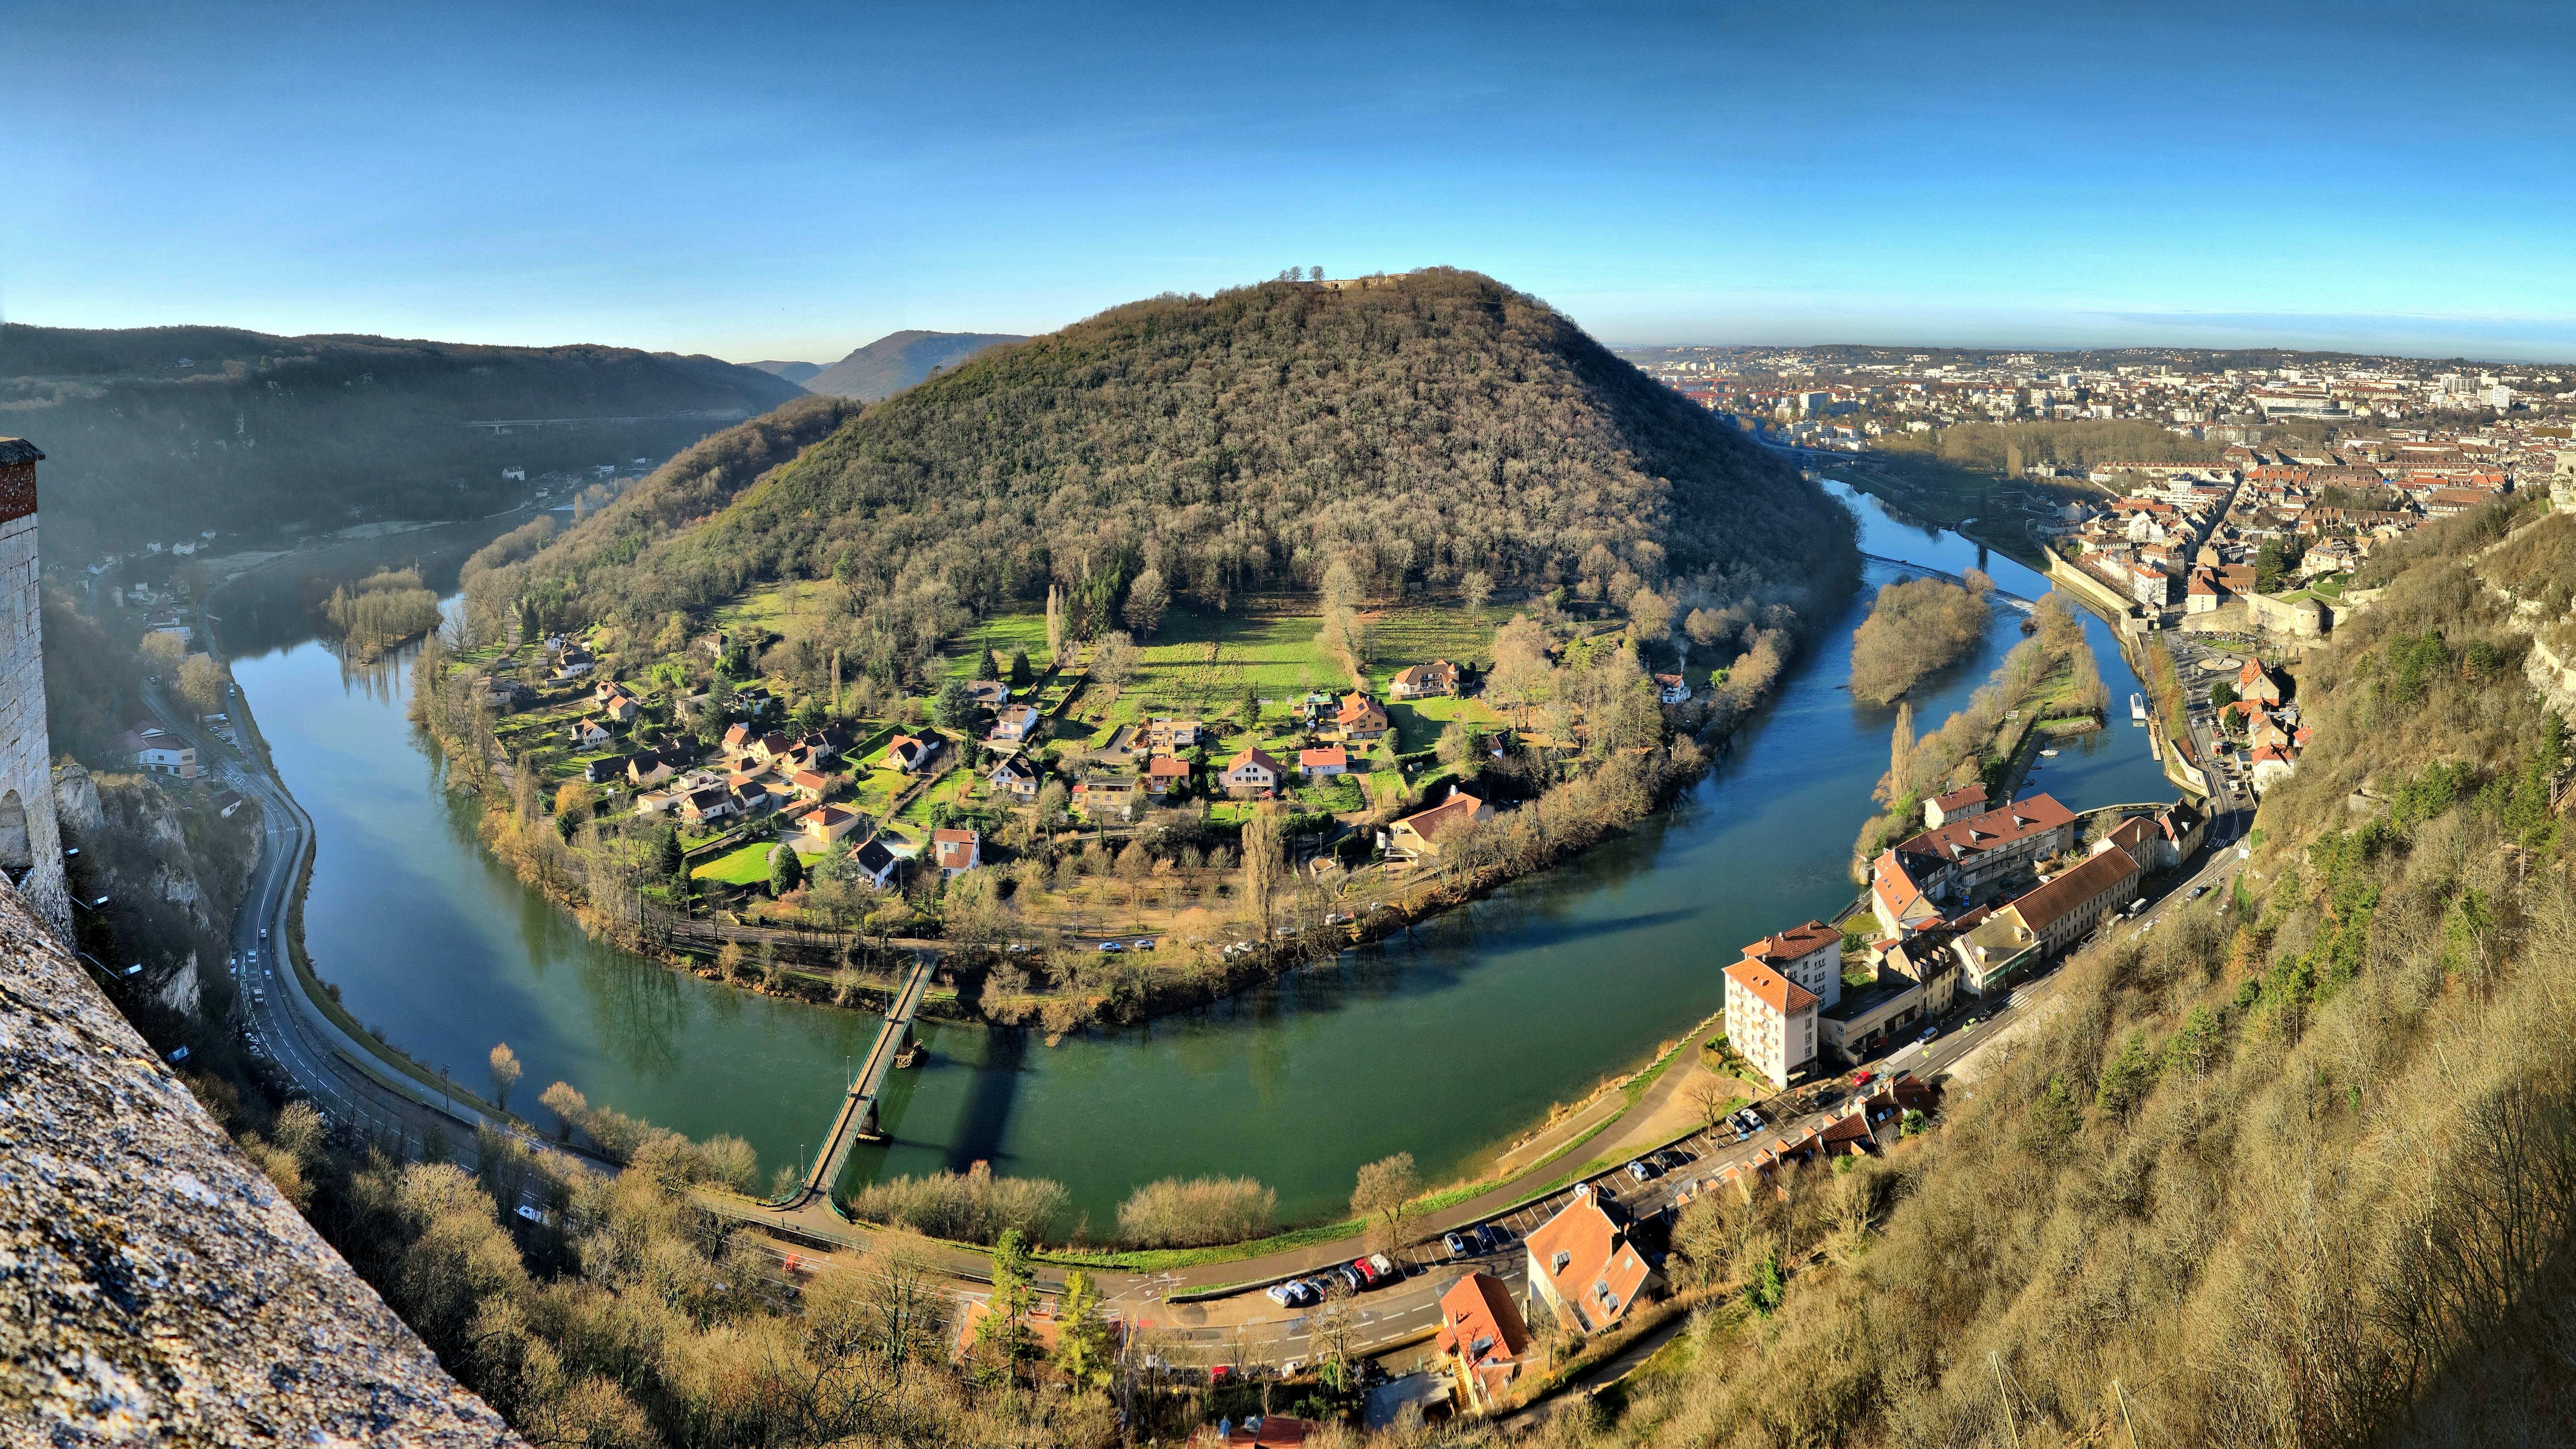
(1442, 1042)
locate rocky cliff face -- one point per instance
(153, 1285)
(172, 865)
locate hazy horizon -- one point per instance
(811, 181)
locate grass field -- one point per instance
(1420, 633)
(748, 865)
(768, 608)
(1418, 722)
(1003, 632)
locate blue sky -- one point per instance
(791, 182)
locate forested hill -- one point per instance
(1420, 430)
(898, 360)
(153, 433)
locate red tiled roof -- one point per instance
(1450, 814)
(1602, 1271)
(1251, 755)
(1791, 944)
(1773, 989)
(1992, 830)
(1478, 1315)
(2041, 908)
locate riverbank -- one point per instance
(1063, 989)
(1570, 976)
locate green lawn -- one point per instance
(748, 865)
(767, 608)
(1205, 663)
(1418, 722)
(1420, 633)
(1003, 632)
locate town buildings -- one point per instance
(2016, 938)
(1953, 865)
(1770, 1020)
(1583, 1266)
(1484, 1338)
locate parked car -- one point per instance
(1863, 1079)
(1487, 1240)
(1349, 1276)
(1221, 1374)
(1385, 1268)
(1366, 1270)
(1928, 1033)
(1456, 1245)
(531, 1214)
(1640, 1171)
(1278, 1293)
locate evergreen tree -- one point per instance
(786, 870)
(953, 708)
(1021, 675)
(985, 669)
(667, 854)
(1083, 1350)
(1002, 1337)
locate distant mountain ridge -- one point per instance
(795, 372)
(896, 361)
(154, 433)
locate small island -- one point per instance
(1917, 627)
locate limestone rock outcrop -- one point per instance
(154, 1287)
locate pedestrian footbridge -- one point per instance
(858, 1119)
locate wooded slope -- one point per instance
(262, 432)
(1430, 427)
(2294, 1167)
(898, 360)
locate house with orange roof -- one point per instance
(1961, 860)
(2272, 764)
(1252, 774)
(2255, 682)
(1164, 774)
(826, 825)
(1322, 762)
(1417, 837)
(1810, 955)
(956, 851)
(1770, 1020)
(1483, 1335)
(1583, 1265)
(1360, 720)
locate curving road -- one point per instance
(278, 1020)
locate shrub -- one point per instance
(1195, 1212)
(970, 1207)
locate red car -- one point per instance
(1368, 1272)
(1863, 1079)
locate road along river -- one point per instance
(1442, 1042)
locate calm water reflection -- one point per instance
(1440, 1042)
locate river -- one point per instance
(1442, 1042)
